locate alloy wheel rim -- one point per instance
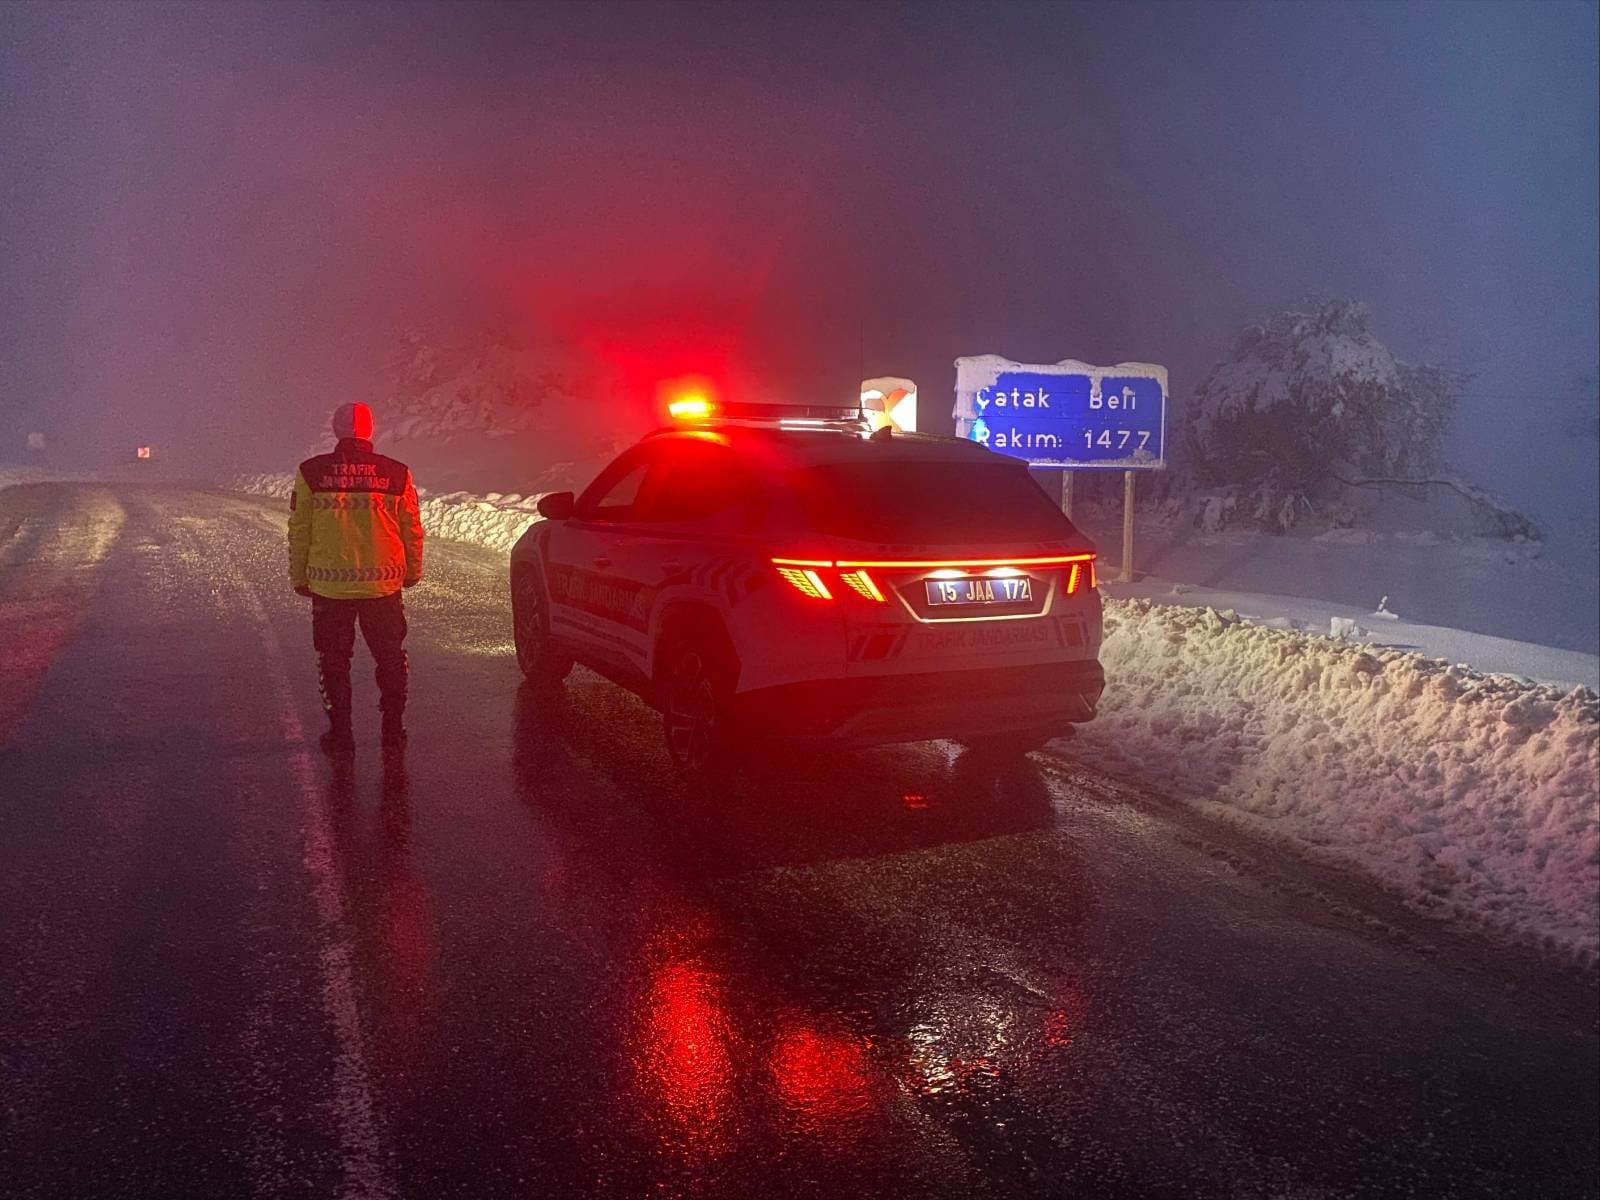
(529, 623)
(691, 712)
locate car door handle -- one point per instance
(602, 561)
(671, 568)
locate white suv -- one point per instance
(811, 580)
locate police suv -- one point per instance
(808, 577)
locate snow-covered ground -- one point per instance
(1470, 795)
(1545, 593)
(1368, 624)
(10, 476)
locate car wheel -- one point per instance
(694, 711)
(530, 628)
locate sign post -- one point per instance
(1127, 528)
(1068, 416)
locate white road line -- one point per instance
(366, 1166)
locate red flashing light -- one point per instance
(689, 408)
(688, 397)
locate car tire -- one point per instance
(694, 709)
(530, 628)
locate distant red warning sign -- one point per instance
(142, 452)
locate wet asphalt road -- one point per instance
(525, 963)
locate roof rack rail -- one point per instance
(752, 411)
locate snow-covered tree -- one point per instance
(487, 384)
(489, 410)
(1311, 406)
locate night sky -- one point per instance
(214, 219)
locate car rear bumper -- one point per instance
(879, 709)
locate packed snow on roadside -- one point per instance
(13, 476)
(1376, 622)
(496, 520)
(1470, 795)
(1541, 593)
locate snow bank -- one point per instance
(12, 476)
(1532, 662)
(496, 520)
(1470, 795)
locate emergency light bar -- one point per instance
(689, 408)
(698, 409)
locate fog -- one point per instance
(216, 220)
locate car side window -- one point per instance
(614, 496)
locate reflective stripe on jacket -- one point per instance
(354, 529)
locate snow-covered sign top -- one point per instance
(1065, 414)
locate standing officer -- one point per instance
(355, 539)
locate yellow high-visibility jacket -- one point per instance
(354, 529)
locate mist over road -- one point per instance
(523, 962)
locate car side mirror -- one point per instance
(556, 506)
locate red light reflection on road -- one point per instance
(968, 1047)
(716, 1058)
(822, 1077)
(1058, 1029)
(1064, 1021)
(408, 947)
(32, 633)
(684, 1052)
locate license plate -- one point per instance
(980, 590)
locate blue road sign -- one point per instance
(1113, 418)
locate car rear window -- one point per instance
(930, 503)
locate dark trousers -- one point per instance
(333, 633)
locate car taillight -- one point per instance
(806, 581)
(809, 576)
(863, 585)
